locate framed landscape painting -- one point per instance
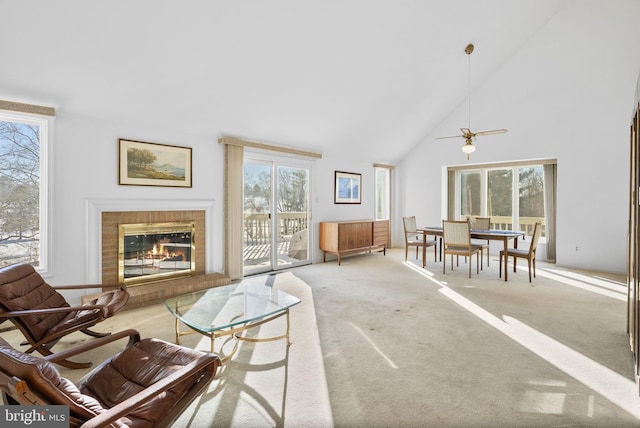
(151, 164)
(347, 188)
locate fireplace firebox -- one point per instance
(149, 252)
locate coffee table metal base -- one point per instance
(236, 333)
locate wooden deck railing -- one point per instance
(526, 223)
(257, 227)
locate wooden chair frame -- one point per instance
(482, 223)
(413, 238)
(456, 240)
(528, 254)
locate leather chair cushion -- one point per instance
(42, 376)
(21, 288)
(75, 318)
(136, 368)
(113, 301)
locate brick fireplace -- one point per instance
(155, 292)
(148, 252)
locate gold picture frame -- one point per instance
(152, 164)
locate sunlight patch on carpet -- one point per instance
(374, 346)
(585, 282)
(614, 387)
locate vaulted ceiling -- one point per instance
(374, 76)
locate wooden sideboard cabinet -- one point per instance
(353, 236)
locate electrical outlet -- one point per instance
(576, 248)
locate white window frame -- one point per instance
(483, 171)
(45, 125)
(387, 191)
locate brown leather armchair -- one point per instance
(44, 316)
(148, 384)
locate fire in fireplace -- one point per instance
(150, 252)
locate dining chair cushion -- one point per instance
(517, 251)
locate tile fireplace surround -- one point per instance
(154, 292)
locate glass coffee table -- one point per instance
(229, 310)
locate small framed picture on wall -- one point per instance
(348, 188)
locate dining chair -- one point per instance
(456, 240)
(482, 223)
(413, 238)
(529, 254)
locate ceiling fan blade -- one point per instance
(492, 132)
(452, 136)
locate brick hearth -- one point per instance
(157, 292)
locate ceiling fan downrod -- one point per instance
(467, 134)
(468, 50)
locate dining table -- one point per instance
(490, 234)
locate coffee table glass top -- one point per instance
(229, 305)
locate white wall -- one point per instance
(323, 207)
(85, 168)
(584, 126)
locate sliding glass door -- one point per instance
(276, 214)
(256, 250)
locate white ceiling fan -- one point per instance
(467, 134)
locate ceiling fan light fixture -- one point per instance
(468, 148)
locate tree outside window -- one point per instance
(512, 196)
(470, 194)
(531, 198)
(20, 182)
(500, 189)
